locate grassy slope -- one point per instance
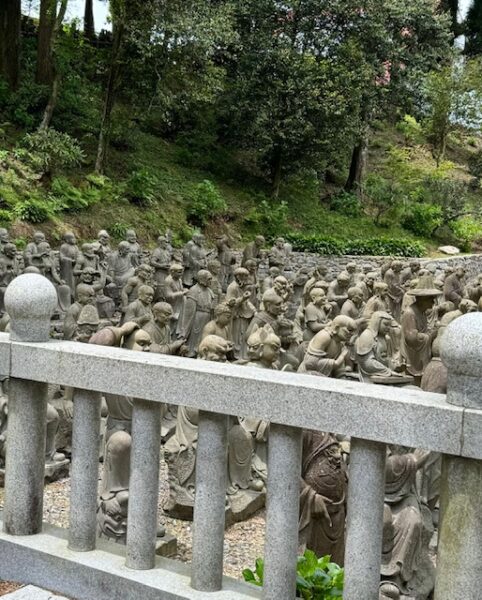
(176, 184)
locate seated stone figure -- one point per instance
(327, 352)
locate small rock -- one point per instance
(449, 250)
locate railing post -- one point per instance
(84, 474)
(283, 502)
(364, 525)
(142, 520)
(209, 503)
(460, 533)
(30, 301)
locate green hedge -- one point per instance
(381, 246)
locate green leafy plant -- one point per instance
(466, 231)
(70, 198)
(118, 230)
(34, 210)
(422, 218)
(141, 187)
(411, 129)
(317, 578)
(268, 217)
(48, 150)
(347, 204)
(206, 203)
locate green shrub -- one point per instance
(268, 217)
(48, 150)
(317, 578)
(118, 230)
(70, 198)
(6, 216)
(34, 210)
(206, 203)
(411, 129)
(466, 231)
(383, 199)
(422, 219)
(346, 204)
(381, 246)
(141, 187)
(475, 165)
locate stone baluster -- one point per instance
(283, 502)
(364, 526)
(30, 301)
(142, 521)
(209, 503)
(84, 476)
(460, 533)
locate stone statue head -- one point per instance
(214, 267)
(397, 266)
(251, 266)
(38, 237)
(381, 289)
(370, 279)
(280, 243)
(321, 269)
(280, 283)
(198, 239)
(274, 272)
(204, 278)
(259, 241)
(343, 328)
(223, 314)
(131, 236)
(414, 266)
(88, 275)
(144, 272)
(87, 323)
(88, 250)
(103, 237)
(162, 242)
(44, 248)
(85, 294)
(241, 275)
(146, 294)
(380, 323)
(355, 295)
(318, 296)
(69, 238)
(273, 303)
(4, 236)
(351, 267)
(264, 346)
(138, 340)
(123, 248)
(162, 312)
(214, 348)
(176, 270)
(343, 279)
(460, 272)
(10, 250)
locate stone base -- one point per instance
(165, 546)
(239, 507)
(53, 472)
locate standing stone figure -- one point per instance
(395, 288)
(317, 313)
(238, 296)
(139, 311)
(221, 325)
(277, 255)
(323, 496)
(85, 295)
(454, 286)
(160, 261)
(194, 256)
(135, 249)
(253, 250)
(273, 307)
(227, 259)
(69, 254)
(121, 268)
(31, 253)
(174, 293)
(198, 310)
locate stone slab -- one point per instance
(165, 546)
(45, 560)
(31, 592)
(379, 413)
(53, 472)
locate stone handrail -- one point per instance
(373, 416)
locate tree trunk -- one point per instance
(10, 18)
(276, 174)
(110, 96)
(357, 166)
(45, 70)
(89, 27)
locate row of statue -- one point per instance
(379, 326)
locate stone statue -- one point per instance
(221, 325)
(238, 296)
(396, 289)
(194, 256)
(252, 268)
(174, 293)
(10, 267)
(366, 284)
(4, 238)
(323, 496)
(86, 258)
(327, 351)
(130, 292)
(418, 332)
(353, 307)
(85, 295)
(407, 530)
(227, 259)
(135, 249)
(454, 286)
(319, 274)
(214, 267)
(197, 312)
(139, 311)
(352, 270)
(121, 268)
(338, 291)
(31, 254)
(273, 308)
(69, 254)
(160, 262)
(102, 247)
(375, 355)
(317, 313)
(267, 283)
(410, 272)
(379, 302)
(160, 332)
(277, 255)
(253, 250)
(86, 324)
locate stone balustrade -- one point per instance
(78, 565)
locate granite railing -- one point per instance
(73, 563)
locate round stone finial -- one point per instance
(30, 301)
(461, 352)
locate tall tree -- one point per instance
(47, 16)
(473, 29)
(10, 17)
(452, 7)
(89, 27)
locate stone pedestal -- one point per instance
(165, 546)
(53, 471)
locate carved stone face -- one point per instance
(86, 296)
(85, 331)
(270, 351)
(141, 342)
(4, 237)
(146, 295)
(163, 315)
(223, 319)
(123, 249)
(274, 307)
(38, 237)
(357, 298)
(384, 327)
(70, 239)
(131, 236)
(318, 296)
(103, 239)
(345, 332)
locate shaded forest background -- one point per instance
(345, 125)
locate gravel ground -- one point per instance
(243, 542)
